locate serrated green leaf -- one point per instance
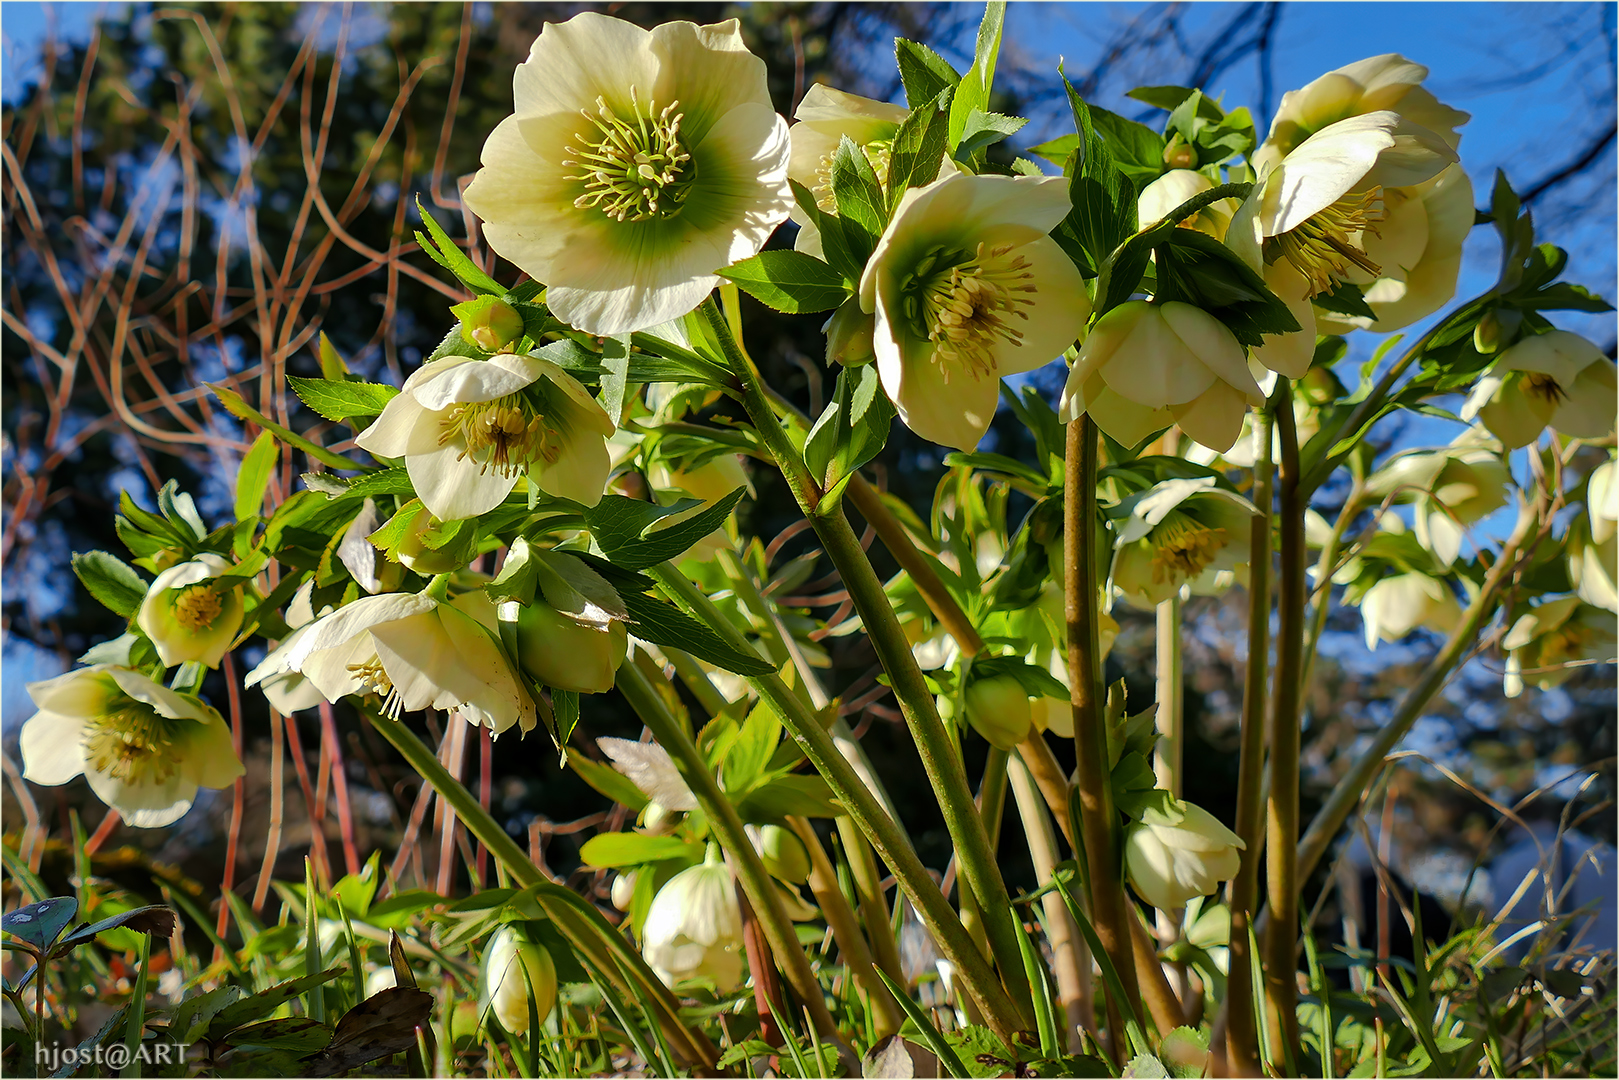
(444, 251)
(663, 624)
(862, 210)
(239, 408)
(917, 151)
(635, 534)
(258, 464)
(111, 581)
(342, 400)
(789, 281)
(924, 73)
(972, 93)
(985, 129)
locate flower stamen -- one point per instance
(1544, 387)
(504, 436)
(966, 310)
(632, 170)
(197, 607)
(131, 744)
(1183, 548)
(374, 680)
(1328, 243)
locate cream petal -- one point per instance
(1511, 415)
(954, 413)
(443, 660)
(1402, 236)
(290, 693)
(149, 805)
(525, 205)
(742, 191)
(342, 625)
(1152, 365)
(52, 746)
(83, 692)
(1215, 347)
(1417, 155)
(483, 380)
(1246, 233)
(823, 103)
(1588, 410)
(580, 471)
(1058, 315)
(208, 755)
(582, 410)
(403, 428)
(1125, 421)
(1325, 167)
(453, 488)
(328, 670)
(710, 71)
(192, 572)
(590, 55)
(1214, 418)
(169, 703)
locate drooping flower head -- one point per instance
(1549, 643)
(1173, 857)
(1593, 545)
(1555, 379)
(145, 749)
(636, 164)
(1175, 187)
(1451, 488)
(1397, 605)
(967, 287)
(188, 616)
(1185, 532)
(469, 429)
(1146, 366)
(694, 927)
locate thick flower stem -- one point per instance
(1282, 814)
(1099, 817)
(601, 946)
(934, 746)
(1242, 1035)
(727, 825)
(873, 820)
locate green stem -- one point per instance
(727, 825)
(600, 945)
(1098, 817)
(1242, 1034)
(1171, 724)
(939, 758)
(1321, 595)
(1282, 816)
(883, 832)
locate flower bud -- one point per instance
(563, 652)
(623, 891)
(849, 335)
(426, 549)
(1169, 862)
(489, 323)
(1178, 155)
(998, 709)
(782, 853)
(513, 968)
(694, 927)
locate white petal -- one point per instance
(1214, 418)
(709, 70)
(208, 755)
(149, 805)
(403, 428)
(84, 692)
(453, 487)
(580, 471)
(822, 102)
(483, 380)
(1214, 346)
(1152, 365)
(52, 746)
(167, 702)
(583, 410)
(328, 670)
(1588, 411)
(342, 625)
(651, 769)
(572, 63)
(1056, 318)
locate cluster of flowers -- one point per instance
(640, 164)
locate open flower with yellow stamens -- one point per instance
(412, 651)
(1548, 644)
(1183, 532)
(967, 287)
(638, 163)
(1451, 487)
(188, 615)
(469, 429)
(145, 749)
(1556, 378)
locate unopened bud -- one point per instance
(848, 335)
(782, 853)
(1178, 155)
(489, 323)
(998, 709)
(623, 891)
(564, 652)
(514, 968)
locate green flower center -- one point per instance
(964, 303)
(504, 436)
(1328, 243)
(1183, 548)
(197, 607)
(374, 680)
(131, 743)
(634, 169)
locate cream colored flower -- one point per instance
(1146, 366)
(1159, 198)
(712, 479)
(413, 652)
(1397, 605)
(623, 890)
(516, 971)
(693, 929)
(967, 287)
(638, 163)
(1556, 378)
(565, 649)
(1451, 488)
(288, 691)
(1184, 532)
(1171, 861)
(144, 748)
(1547, 646)
(1593, 547)
(187, 616)
(469, 429)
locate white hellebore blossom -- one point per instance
(1170, 860)
(638, 163)
(517, 970)
(1147, 366)
(694, 927)
(145, 749)
(1593, 549)
(414, 652)
(1556, 378)
(1379, 83)
(1184, 532)
(1547, 645)
(188, 616)
(469, 429)
(288, 691)
(1159, 198)
(1451, 488)
(967, 287)
(1397, 605)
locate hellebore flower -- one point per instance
(569, 630)
(413, 652)
(998, 709)
(1452, 488)
(1397, 605)
(782, 853)
(1556, 378)
(187, 616)
(1170, 861)
(1546, 646)
(967, 287)
(1593, 547)
(694, 927)
(1170, 190)
(144, 748)
(1184, 532)
(516, 970)
(1146, 366)
(469, 429)
(623, 890)
(288, 691)
(637, 163)
(713, 479)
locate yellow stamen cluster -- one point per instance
(632, 170)
(197, 607)
(1182, 548)
(504, 436)
(131, 744)
(374, 680)
(1329, 242)
(966, 310)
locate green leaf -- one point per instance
(298, 1034)
(565, 714)
(985, 129)
(332, 364)
(444, 251)
(859, 197)
(1169, 97)
(111, 581)
(1560, 296)
(356, 891)
(1345, 299)
(609, 781)
(40, 923)
(258, 464)
(840, 255)
(615, 849)
(664, 624)
(615, 360)
(1104, 210)
(972, 93)
(394, 480)
(917, 151)
(265, 1002)
(852, 430)
(1137, 148)
(789, 281)
(755, 743)
(239, 408)
(1058, 150)
(342, 400)
(944, 1051)
(635, 534)
(801, 794)
(1198, 269)
(924, 73)
(154, 919)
